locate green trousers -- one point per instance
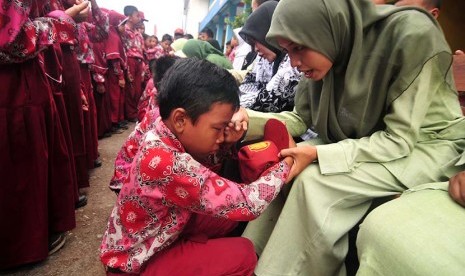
(305, 232)
(420, 233)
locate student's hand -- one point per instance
(240, 119)
(79, 11)
(231, 135)
(85, 104)
(303, 156)
(457, 188)
(77, 8)
(459, 52)
(130, 77)
(100, 88)
(121, 28)
(122, 83)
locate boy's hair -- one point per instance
(177, 36)
(208, 31)
(196, 85)
(166, 37)
(146, 36)
(188, 36)
(129, 10)
(160, 66)
(433, 3)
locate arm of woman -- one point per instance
(403, 123)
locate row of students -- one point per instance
(49, 123)
(70, 72)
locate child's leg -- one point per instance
(203, 250)
(223, 256)
(207, 227)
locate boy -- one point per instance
(134, 44)
(173, 213)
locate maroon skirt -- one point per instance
(30, 135)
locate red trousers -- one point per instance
(133, 89)
(203, 250)
(116, 97)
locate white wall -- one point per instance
(196, 12)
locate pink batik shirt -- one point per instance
(165, 187)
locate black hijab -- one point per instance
(256, 27)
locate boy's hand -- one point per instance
(231, 134)
(240, 119)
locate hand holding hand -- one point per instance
(303, 156)
(457, 188)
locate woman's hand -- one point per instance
(240, 119)
(303, 156)
(457, 188)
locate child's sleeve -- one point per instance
(22, 38)
(185, 183)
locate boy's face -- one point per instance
(205, 136)
(166, 44)
(203, 36)
(135, 18)
(150, 42)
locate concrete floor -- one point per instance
(79, 256)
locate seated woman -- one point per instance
(386, 113)
(270, 86)
(204, 50)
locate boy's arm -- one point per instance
(186, 183)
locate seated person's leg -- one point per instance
(420, 233)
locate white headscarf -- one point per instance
(242, 49)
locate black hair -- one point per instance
(196, 85)
(160, 66)
(208, 31)
(188, 36)
(433, 3)
(145, 36)
(178, 35)
(166, 37)
(129, 10)
(259, 2)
